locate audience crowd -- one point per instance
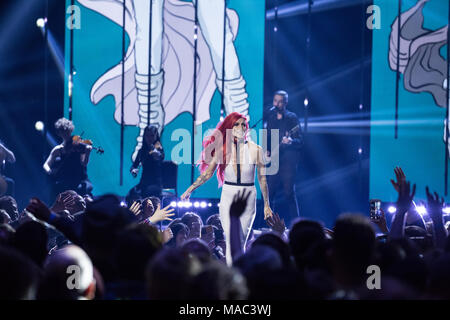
(95, 248)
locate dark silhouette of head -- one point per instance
(218, 282)
(9, 204)
(136, 245)
(274, 241)
(189, 218)
(352, 249)
(439, 279)
(151, 136)
(214, 220)
(31, 239)
(303, 235)
(170, 274)
(180, 233)
(20, 275)
(198, 248)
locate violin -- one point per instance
(79, 141)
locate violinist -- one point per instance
(67, 162)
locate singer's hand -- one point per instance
(186, 195)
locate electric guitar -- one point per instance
(276, 151)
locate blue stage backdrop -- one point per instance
(97, 79)
(419, 148)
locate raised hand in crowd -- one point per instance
(162, 214)
(435, 204)
(276, 224)
(400, 176)
(239, 203)
(404, 202)
(237, 208)
(38, 209)
(69, 201)
(136, 208)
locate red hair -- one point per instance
(221, 130)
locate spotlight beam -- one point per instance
(329, 178)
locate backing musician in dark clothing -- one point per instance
(150, 157)
(67, 162)
(290, 143)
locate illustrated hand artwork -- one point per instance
(276, 224)
(239, 203)
(162, 214)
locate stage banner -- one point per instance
(166, 72)
(420, 48)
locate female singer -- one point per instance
(235, 157)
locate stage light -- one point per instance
(180, 204)
(210, 204)
(39, 126)
(360, 151)
(203, 204)
(446, 210)
(123, 204)
(360, 107)
(173, 204)
(392, 209)
(306, 102)
(196, 204)
(275, 29)
(188, 204)
(421, 210)
(218, 204)
(40, 23)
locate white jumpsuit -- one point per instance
(243, 178)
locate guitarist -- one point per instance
(290, 143)
(67, 162)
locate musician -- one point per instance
(150, 157)
(290, 143)
(6, 155)
(67, 162)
